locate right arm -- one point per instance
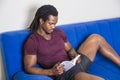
(29, 66)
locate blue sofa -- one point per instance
(12, 42)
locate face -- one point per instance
(48, 25)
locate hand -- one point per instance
(58, 69)
(78, 60)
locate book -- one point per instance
(69, 64)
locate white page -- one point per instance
(70, 64)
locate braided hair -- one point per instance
(42, 12)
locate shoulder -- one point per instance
(59, 31)
(30, 46)
(61, 34)
(31, 38)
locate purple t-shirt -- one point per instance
(48, 52)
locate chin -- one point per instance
(48, 32)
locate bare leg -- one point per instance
(96, 43)
(86, 76)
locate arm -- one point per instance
(71, 51)
(29, 67)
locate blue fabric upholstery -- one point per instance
(12, 42)
(23, 76)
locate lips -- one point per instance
(51, 30)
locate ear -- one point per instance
(41, 21)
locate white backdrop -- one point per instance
(18, 14)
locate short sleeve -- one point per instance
(30, 47)
(63, 35)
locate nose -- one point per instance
(53, 26)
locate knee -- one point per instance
(96, 37)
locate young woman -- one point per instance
(49, 46)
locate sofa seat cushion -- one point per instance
(104, 72)
(24, 76)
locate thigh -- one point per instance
(89, 47)
(86, 76)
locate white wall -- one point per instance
(18, 14)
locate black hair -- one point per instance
(42, 12)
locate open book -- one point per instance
(70, 64)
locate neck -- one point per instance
(42, 30)
(46, 35)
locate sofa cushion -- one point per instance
(24, 76)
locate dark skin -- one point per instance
(90, 47)
(45, 29)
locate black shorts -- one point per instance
(81, 67)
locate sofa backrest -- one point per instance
(12, 42)
(108, 28)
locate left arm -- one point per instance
(70, 50)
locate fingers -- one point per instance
(78, 60)
(58, 69)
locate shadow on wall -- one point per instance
(30, 16)
(1, 1)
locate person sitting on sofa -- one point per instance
(49, 46)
